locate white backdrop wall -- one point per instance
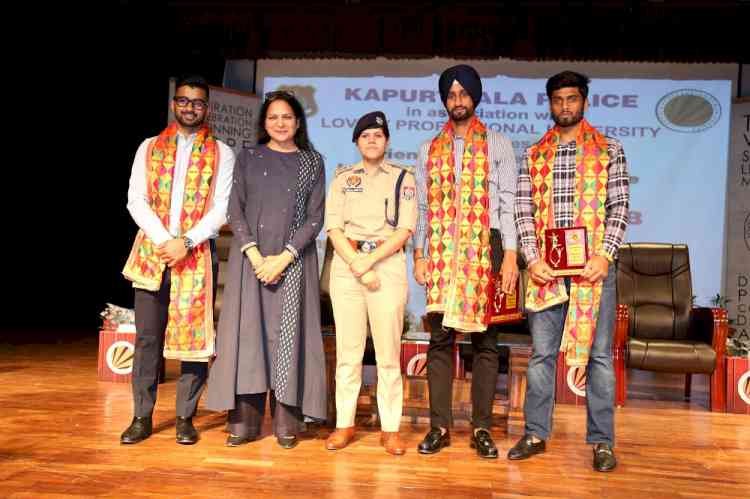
(673, 120)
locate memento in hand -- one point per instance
(566, 250)
(504, 307)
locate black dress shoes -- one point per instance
(604, 458)
(186, 432)
(287, 441)
(525, 448)
(481, 440)
(235, 441)
(434, 441)
(139, 429)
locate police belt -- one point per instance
(365, 246)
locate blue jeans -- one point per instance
(546, 331)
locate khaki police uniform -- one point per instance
(356, 204)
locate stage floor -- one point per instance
(60, 428)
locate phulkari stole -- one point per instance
(459, 270)
(190, 326)
(592, 161)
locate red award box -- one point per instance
(414, 358)
(116, 351)
(566, 250)
(738, 385)
(504, 307)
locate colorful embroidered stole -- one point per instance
(459, 267)
(190, 326)
(592, 161)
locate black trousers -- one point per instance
(246, 419)
(151, 309)
(440, 374)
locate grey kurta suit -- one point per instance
(261, 211)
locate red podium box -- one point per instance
(738, 385)
(414, 359)
(570, 385)
(116, 350)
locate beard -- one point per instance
(567, 121)
(461, 113)
(189, 120)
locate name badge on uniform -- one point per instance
(408, 193)
(353, 184)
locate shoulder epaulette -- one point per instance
(407, 168)
(343, 168)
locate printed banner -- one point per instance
(675, 135)
(738, 221)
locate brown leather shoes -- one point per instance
(391, 440)
(340, 438)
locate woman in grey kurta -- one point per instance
(269, 337)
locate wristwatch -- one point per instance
(189, 244)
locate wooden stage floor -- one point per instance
(60, 428)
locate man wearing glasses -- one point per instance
(179, 190)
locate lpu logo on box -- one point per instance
(688, 110)
(577, 380)
(120, 357)
(417, 365)
(743, 387)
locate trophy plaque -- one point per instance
(566, 250)
(504, 307)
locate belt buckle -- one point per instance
(368, 246)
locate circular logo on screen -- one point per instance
(688, 110)
(417, 365)
(120, 357)
(743, 387)
(747, 231)
(577, 380)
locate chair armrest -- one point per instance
(711, 326)
(622, 324)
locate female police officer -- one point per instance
(370, 213)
